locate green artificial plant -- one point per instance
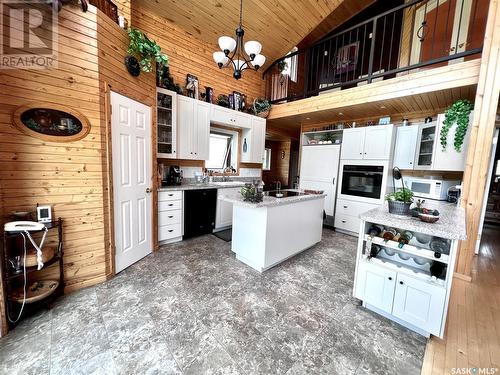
(458, 113)
(282, 65)
(402, 195)
(261, 105)
(146, 50)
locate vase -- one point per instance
(399, 208)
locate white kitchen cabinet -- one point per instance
(449, 159)
(353, 144)
(375, 286)
(193, 128)
(406, 144)
(229, 117)
(378, 142)
(255, 139)
(419, 303)
(370, 143)
(166, 118)
(170, 218)
(426, 140)
(224, 212)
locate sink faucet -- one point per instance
(278, 185)
(224, 176)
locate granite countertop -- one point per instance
(193, 186)
(451, 223)
(269, 201)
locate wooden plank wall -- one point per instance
(279, 167)
(73, 177)
(190, 55)
(67, 176)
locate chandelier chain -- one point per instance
(241, 14)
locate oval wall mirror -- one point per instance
(51, 122)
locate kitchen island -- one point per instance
(267, 233)
(409, 281)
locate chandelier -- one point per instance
(233, 55)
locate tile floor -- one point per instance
(192, 308)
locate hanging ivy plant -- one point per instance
(458, 113)
(146, 50)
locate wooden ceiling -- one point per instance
(345, 11)
(278, 24)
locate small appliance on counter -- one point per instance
(173, 177)
(430, 188)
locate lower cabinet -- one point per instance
(375, 286)
(414, 301)
(347, 214)
(419, 303)
(224, 213)
(170, 215)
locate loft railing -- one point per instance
(420, 34)
(107, 7)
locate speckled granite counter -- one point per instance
(451, 223)
(233, 184)
(237, 199)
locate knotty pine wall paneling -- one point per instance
(67, 176)
(190, 55)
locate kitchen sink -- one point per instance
(228, 183)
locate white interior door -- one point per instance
(132, 176)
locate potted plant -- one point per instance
(261, 107)
(400, 201)
(282, 65)
(145, 50)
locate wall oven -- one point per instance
(363, 181)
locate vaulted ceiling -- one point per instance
(278, 24)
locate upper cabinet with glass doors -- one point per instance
(166, 107)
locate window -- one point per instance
(291, 63)
(223, 150)
(266, 166)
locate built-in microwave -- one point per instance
(362, 181)
(429, 189)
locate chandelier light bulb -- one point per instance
(253, 48)
(220, 58)
(258, 61)
(227, 44)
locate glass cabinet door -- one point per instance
(425, 146)
(166, 119)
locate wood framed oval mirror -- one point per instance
(51, 122)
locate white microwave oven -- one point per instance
(429, 189)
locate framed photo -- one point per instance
(237, 100)
(347, 58)
(192, 86)
(384, 120)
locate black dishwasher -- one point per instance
(199, 211)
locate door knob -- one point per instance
(148, 190)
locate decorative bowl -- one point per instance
(428, 218)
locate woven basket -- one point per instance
(399, 208)
(262, 114)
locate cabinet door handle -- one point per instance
(170, 230)
(345, 206)
(401, 282)
(333, 182)
(170, 204)
(170, 195)
(361, 153)
(343, 221)
(170, 217)
(390, 278)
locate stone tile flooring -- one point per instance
(192, 308)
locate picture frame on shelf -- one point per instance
(192, 86)
(384, 120)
